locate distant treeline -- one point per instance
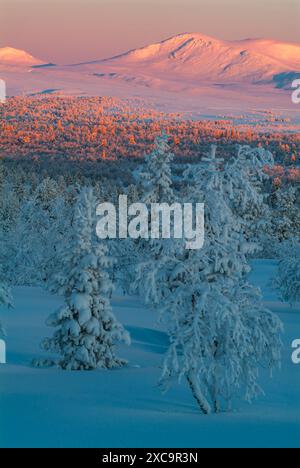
(97, 129)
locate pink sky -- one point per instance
(66, 31)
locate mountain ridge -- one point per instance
(191, 66)
(197, 57)
(17, 57)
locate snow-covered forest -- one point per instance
(93, 129)
(217, 336)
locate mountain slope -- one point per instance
(188, 71)
(199, 58)
(16, 58)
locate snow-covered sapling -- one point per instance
(87, 330)
(154, 176)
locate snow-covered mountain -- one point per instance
(204, 72)
(10, 57)
(195, 58)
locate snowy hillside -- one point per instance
(10, 57)
(210, 74)
(124, 407)
(198, 58)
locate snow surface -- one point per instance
(17, 57)
(124, 407)
(207, 74)
(195, 57)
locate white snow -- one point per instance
(17, 57)
(207, 74)
(196, 57)
(124, 407)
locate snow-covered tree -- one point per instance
(247, 177)
(46, 192)
(9, 204)
(9, 207)
(153, 185)
(87, 330)
(40, 235)
(287, 280)
(154, 176)
(285, 214)
(220, 333)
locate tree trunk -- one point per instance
(197, 393)
(217, 406)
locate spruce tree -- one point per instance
(87, 330)
(154, 176)
(154, 184)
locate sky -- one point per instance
(70, 31)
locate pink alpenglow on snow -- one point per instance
(203, 71)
